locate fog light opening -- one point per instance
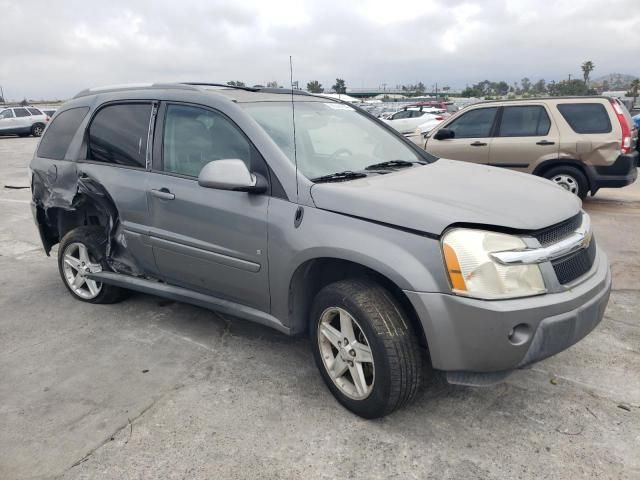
(519, 334)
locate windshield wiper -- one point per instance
(392, 164)
(346, 175)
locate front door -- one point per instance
(525, 137)
(472, 139)
(214, 241)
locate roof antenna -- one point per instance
(293, 116)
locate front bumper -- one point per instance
(620, 173)
(471, 335)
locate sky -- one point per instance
(53, 49)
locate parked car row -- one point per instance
(377, 249)
(408, 119)
(22, 121)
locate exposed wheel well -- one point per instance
(544, 167)
(55, 223)
(310, 277)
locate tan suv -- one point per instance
(580, 143)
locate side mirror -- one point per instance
(444, 134)
(231, 174)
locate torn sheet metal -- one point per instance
(70, 190)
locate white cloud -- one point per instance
(82, 43)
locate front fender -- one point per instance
(411, 261)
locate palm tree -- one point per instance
(587, 68)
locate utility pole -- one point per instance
(4, 100)
(569, 78)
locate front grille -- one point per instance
(576, 264)
(555, 233)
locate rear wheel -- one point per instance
(569, 178)
(37, 130)
(79, 254)
(364, 346)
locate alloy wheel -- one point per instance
(567, 182)
(346, 353)
(77, 264)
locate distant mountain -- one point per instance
(614, 81)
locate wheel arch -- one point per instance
(547, 165)
(38, 124)
(55, 222)
(313, 274)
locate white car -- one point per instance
(406, 121)
(423, 130)
(22, 121)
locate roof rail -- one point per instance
(206, 84)
(129, 86)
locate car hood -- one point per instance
(432, 197)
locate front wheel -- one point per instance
(365, 348)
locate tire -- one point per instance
(37, 130)
(72, 260)
(393, 377)
(570, 178)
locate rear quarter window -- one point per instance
(58, 135)
(586, 117)
(34, 111)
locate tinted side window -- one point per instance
(118, 134)
(474, 123)
(194, 137)
(401, 115)
(525, 121)
(58, 136)
(34, 111)
(21, 112)
(586, 117)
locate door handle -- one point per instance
(545, 142)
(478, 144)
(163, 193)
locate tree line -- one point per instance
(487, 88)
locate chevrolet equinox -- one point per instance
(308, 215)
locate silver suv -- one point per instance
(339, 228)
(22, 121)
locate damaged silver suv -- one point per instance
(339, 228)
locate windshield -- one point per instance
(330, 137)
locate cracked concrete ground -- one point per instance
(154, 389)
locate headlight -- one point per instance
(474, 273)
